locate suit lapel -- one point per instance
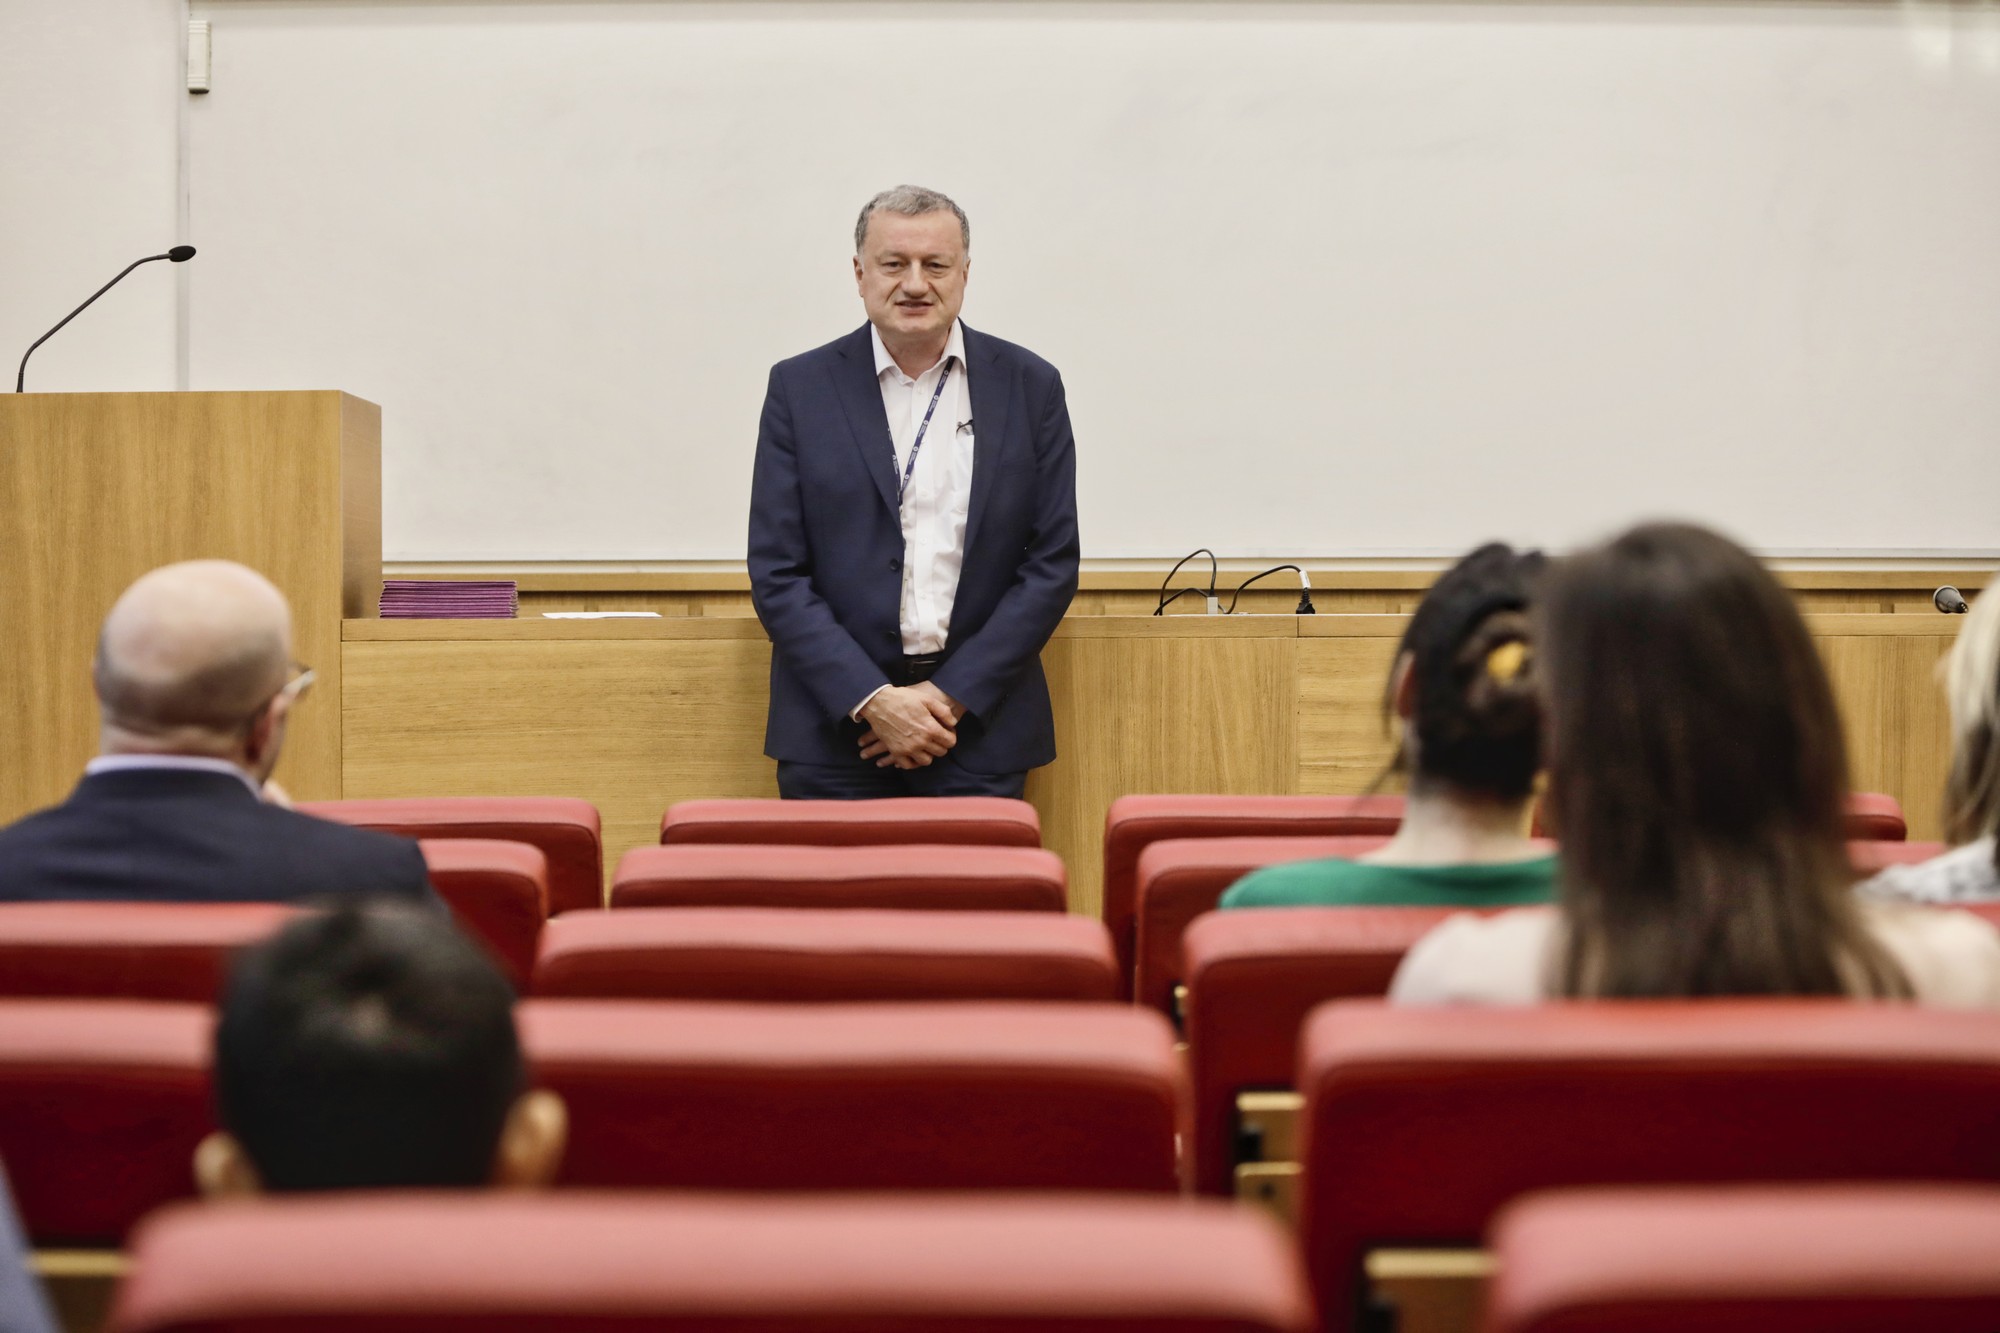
(867, 424)
(992, 390)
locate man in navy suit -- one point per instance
(913, 537)
(195, 679)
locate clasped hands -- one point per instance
(909, 726)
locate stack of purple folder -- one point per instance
(449, 599)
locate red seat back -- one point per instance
(926, 877)
(864, 1096)
(567, 831)
(987, 821)
(795, 954)
(1135, 822)
(1420, 1123)
(181, 951)
(135, 951)
(1181, 878)
(1875, 816)
(1873, 856)
(101, 1105)
(695, 1264)
(1871, 816)
(1749, 1259)
(1252, 978)
(498, 893)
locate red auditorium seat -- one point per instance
(1987, 911)
(863, 1096)
(1871, 816)
(1875, 817)
(132, 951)
(567, 831)
(182, 951)
(1419, 1123)
(694, 1264)
(798, 954)
(1252, 978)
(1134, 822)
(498, 893)
(1181, 878)
(101, 1105)
(987, 879)
(989, 821)
(1872, 856)
(1749, 1259)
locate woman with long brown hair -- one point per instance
(1696, 779)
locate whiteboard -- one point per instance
(1323, 279)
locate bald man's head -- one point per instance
(189, 656)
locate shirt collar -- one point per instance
(183, 763)
(954, 347)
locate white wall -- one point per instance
(89, 156)
(1325, 277)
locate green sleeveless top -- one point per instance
(1335, 883)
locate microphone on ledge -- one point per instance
(1305, 606)
(1949, 600)
(180, 254)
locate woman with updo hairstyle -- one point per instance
(1463, 696)
(1697, 777)
(1970, 872)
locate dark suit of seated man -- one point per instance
(913, 533)
(195, 679)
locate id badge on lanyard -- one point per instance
(916, 445)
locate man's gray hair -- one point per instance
(912, 201)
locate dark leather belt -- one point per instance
(910, 670)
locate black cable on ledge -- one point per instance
(1305, 606)
(1178, 594)
(1166, 601)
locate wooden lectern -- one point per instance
(98, 488)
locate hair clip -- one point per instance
(1506, 662)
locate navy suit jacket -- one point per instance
(164, 835)
(826, 552)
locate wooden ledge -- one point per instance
(538, 629)
(71, 1265)
(728, 576)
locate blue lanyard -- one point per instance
(909, 468)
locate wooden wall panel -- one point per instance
(1344, 743)
(1893, 712)
(634, 715)
(629, 724)
(1137, 711)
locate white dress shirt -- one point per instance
(940, 491)
(185, 763)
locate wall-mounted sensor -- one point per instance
(201, 56)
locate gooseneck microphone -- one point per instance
(1949, 600)
(180, 254)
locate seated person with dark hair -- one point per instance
(195, 682)
(1463, 693)
(373, 1047)
(1698, 776)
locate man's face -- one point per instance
(911, 272)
